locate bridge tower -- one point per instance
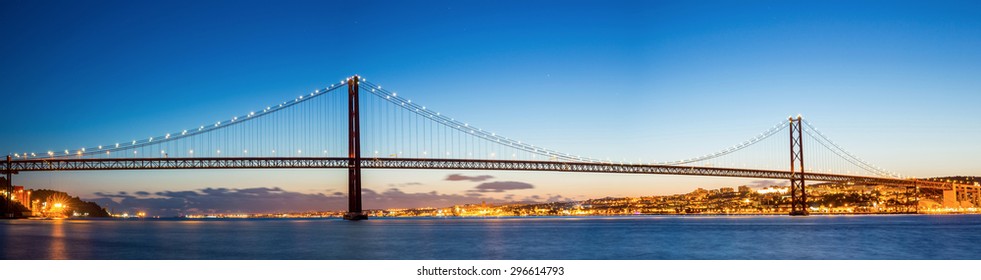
(354, 211)
(8, 186)
(798, 196)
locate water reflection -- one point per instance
(57, 250)
(658, 237)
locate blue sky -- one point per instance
(893, 81)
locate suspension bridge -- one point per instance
(385, 130)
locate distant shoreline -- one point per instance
(494, 217)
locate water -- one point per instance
(634, 237)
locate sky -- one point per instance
(893, 81)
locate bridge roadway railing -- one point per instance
(81, 164)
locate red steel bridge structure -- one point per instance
(401, 134)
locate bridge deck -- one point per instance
(81, 164)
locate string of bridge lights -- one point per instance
(464, 127)
(876, 169)
(849, 160)
(139, 143)
(425, 112)
(762, 136)
(373, 88)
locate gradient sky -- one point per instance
(895, 82)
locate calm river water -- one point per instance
(632, 237)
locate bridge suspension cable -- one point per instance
(311, 125)
(742, 145)
(465, 128)
(837, 150)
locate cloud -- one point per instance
(758, 184)
(458, 177)
(118, 195)
(142, 193)
(396, 198)
(557, 198)
(502, 186)
(273, 200)
(404, 184)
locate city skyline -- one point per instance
(618, 87)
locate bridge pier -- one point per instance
(354, 211)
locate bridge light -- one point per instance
(151, 139)
(379, 87)
(50, 153)
(299, 152)
(184, 132)
(274, 151)
(191, 152)
(200, 128)
(219, 152)
(165, 137)
(100, 147)
(395, 94)
(117, 145)
(245, 151)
